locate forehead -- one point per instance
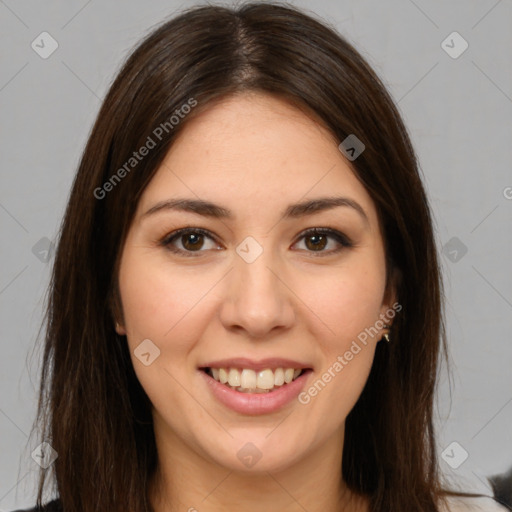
(252, 151)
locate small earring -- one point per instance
(386, 335)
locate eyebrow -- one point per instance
(293, 211)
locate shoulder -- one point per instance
(52, 506)
(484, 504)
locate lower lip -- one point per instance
(256, 403)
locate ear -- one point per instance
(390, 304)
(116, 311)
(391, 293)
(120, 329)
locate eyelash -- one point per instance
(342, 239)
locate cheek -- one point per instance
(156, 301)
(349, 307)
(164, 307)
(346, 305)
(347, 300)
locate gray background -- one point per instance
(459, 114)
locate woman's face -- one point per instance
(251, 286)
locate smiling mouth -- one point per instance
(246, 380)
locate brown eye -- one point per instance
(316, 240)
(191, 241)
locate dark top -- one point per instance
(52, 506)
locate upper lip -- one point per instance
(262, 364)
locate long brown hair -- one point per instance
(92, 409)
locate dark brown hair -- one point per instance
(92, 409)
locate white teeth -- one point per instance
(223, 376)
(279, 377)
(266, 379)
(234, 377)
(288, 375)
(250, 381)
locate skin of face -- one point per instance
(254, 154)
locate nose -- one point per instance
(257, 299)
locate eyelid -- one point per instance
(333, 233)
(343, 240)
(166, 241)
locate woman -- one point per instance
(245, 309)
